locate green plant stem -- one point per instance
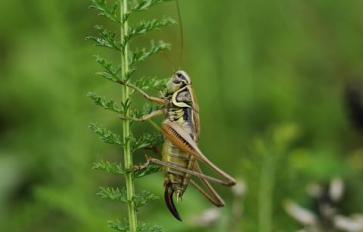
(128, 161)
(267, 181)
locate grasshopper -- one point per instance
(180, 152)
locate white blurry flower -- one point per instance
(300, 214)
(239, 189)
(336, 190)
(349, 224)
(208, 218)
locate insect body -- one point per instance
(180, 153)
(180, 111)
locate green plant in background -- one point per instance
(243, 85)
(120, 13)
(269, 156)
(271, 153)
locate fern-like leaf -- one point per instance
(110, 71)
(107, 104)
(145, 5)
(143, 227)
(106, 135)
(142, 54)
(118, 226)
(106, 166)
(105, 39)
(146, 141)
(143, 198)
(114, 194)
(147, 26)
(109, 11)
(146, 83)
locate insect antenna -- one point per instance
(169, 61)
(181, 32)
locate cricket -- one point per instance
(180, 152)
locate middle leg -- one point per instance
(147, 116)
(157, 100)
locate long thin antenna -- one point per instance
(181, 32)
(169, 61)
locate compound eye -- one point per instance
(176, 81)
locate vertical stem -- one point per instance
(128, 161)
(267, 181)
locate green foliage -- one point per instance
(114, 194)
(147, 26)
(144, 198)
(146, 141)
(144, 5)
(119, 226)
(107, 104)
(140, 55)
(106, 166)
(109, 11)
(147, 83)
(111, 72)
(122, 74)
(106, 38)
(106, 135)
(263, 64)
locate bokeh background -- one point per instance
(278, 87)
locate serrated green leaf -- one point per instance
(118, 226)
(146, 141)
(142, 54)
(144, 5)
(107, 104)
(106, 135)
(111, 72)
(146, 83)
(112, 168)
(143, 198)
(147, 26)
(109, 11)
(120, 195)
(106, 38)
(114, 194)
(142, 227)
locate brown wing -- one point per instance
(181, 139)
(196, 119)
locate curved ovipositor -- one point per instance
(168, 196)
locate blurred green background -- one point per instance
(270, 77)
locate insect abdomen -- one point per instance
(178, 180)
